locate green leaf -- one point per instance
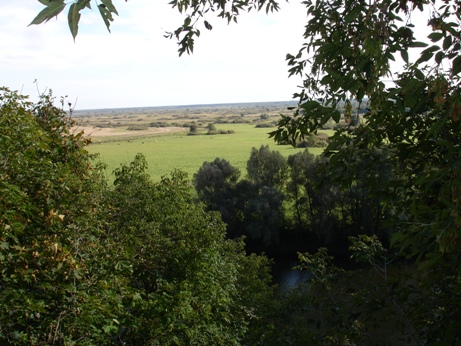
(439, 56)
(435, 129)
(208, 25)
(456, 68)
(52, 10)
(73, 19)
(425, 56)
(447, 42)
(419, 74)
(417, 44)
(110, 6)
(404, 55)
(106, 15)
(435, 36)
(81, 4)
(336, 116)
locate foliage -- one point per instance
(313, 141)
(348, 54)
(137, 127)
(250, 207)
(264, 116)
(416, 116)
(50, 223)
(312, 201)
(182, 270)
(212, 130)
(385, 303)
(411, 127)
(299, 188)
(193, 130)
(194, 13)
(214, 183)
(85, 264)
(266, 167)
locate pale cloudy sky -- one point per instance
(136, 66)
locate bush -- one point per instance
(159, 124)
(193, 130)
(264, 116)
(314, 141)
(137, 128)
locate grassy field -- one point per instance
(164, 153)
(160, 133)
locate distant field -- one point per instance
(160, 133)
(166, 152)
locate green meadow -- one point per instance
(165, 153)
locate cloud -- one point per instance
(136, 66)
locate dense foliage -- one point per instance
(287, 205)
(415, 118)
(83, 263)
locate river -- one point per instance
(285, 276)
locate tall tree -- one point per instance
(266, 167)
(214, 182)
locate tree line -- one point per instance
(288, 205)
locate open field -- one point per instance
(167, 148)
(167, 152)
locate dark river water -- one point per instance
(286, 277)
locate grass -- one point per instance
(166, 153)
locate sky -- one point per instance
(135, 66)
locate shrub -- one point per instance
(137, 127)
(314, 141)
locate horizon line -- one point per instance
(186, 105)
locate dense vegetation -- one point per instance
(390, 186)
(84, 263)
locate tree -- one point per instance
(212, 130)
(56, 284)
(188, 284)
(82, 263)
(215, 182)
(193, 129)
(350, 47)
(266, 167)
(298, 187)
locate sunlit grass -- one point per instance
(166, 153)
